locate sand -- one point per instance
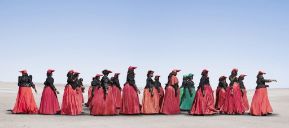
(279, 119)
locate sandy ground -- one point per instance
(279, 100)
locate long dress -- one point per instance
(150, 104)
(204, 103)
(150, 101)
(260, 103)
(234, 103)
(25, 103)
(188, 96)
(116, 89)
(171, 102)
(117, 96)
(130, 101)
(245, 100)
(220, 95)
(161, 92)
(244, 96)
(80, 97)
(162, 95)
(70, 102)
(95, 84)
(103, 103)
(89, 95)
(49, 103)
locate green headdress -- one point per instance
(190, 75)
(185, 76)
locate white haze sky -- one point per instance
(89, 36)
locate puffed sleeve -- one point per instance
(117, 83)
(242, 86)
(202, 83)
(50, 82)
(19, 80)
(31, 82)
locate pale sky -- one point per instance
(89, 36)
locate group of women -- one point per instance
(106, 97)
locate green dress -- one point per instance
(187, 99)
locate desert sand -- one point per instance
(279, 119)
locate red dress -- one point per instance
(25, 103)
(80, 97)
(117, 96)
(260, 103)
(245, 100)
(89, 93)
(150, 104)
(130, 101)
(220, 97)
(101, 104)
(162, 93)
(49, 103)
(70, 102)
(203, 105)
(171, 102)
(234, 102)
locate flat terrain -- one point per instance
(279, 99)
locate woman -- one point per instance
(204, 100)
(185, 77)
(234, 103)
(260, 105)
(160, 89)
(25, 103)
(130, 100)
(151, 99)
(95, 84)
(221, 92)
(49, 103)
(70, 101)
(103, 103)
(89, 93)
(244, 92)
(116, 89)
(188, 95)
(80, 89)
(171, 103)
